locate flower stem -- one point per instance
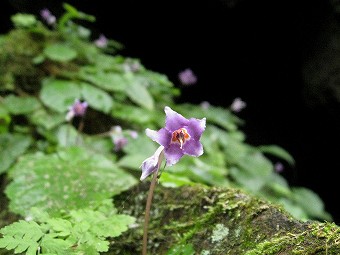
(147, 211)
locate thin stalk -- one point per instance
(149, 202)
(147, 211)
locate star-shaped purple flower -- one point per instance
(179, 137)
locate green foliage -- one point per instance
(66, 169)
(83, 230)
(11, 147)
(69, 179)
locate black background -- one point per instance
(249, 49)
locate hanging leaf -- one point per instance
(278, 152)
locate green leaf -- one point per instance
(5, 119)
(60, 52)
(213, 114)
(171, 180)
(278, 152)
(23, 20)
(59, 95)
(138, 93)
(11, 147)
(110, 81)
(21, 236)
(56, 246)
(136, 115)
(310, 202)
(47, 120)
(69, 179)
(97, 98)
(21, 105)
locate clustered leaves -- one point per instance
(66, 172)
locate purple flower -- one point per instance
(278, 167)
(180, 136)
(77, 109)
(47, 16)
(101, 42)
(152, 164)
(237, 105)
(187, 77)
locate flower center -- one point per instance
(180, 136)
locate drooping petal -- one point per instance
(173, 154)
(174, 120)
(193, 148)
(152, 164)
(162, 136)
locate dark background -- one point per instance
(251, 49)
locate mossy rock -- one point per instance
(202, 220)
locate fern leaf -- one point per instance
(21, 236)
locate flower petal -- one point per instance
(173, 154)
(152, 164)
(174, 120)
(193, 148)
(196, 128)
(162, 136)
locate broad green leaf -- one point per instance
(23, 20)
(59, 95)
(137, 115)
(11, 147)
(69, 179)
(278, 152)
(21, 105)
(247, 180)
(47, 120)
(213, 114)
(60, 52)
(110, 81)
(138, 93)
(310, 202)
(294, 209)
(255, 163)
(97, 98)
(171, 180)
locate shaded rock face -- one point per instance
(218, 221)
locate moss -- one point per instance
(220, 221)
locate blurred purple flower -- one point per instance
(180, 136)
(134, 134)
(77, 109)
(237, 105)
(120, 142)
(118, 138)
(187, 77)
(101, 42)
(278, 167)
(47, 16)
